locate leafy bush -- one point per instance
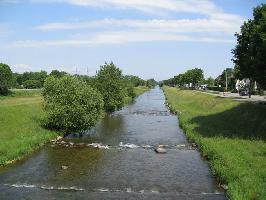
(109, 81)
(70, 104)
(130, 92)
(5, 78)
(3, 90)
(32, 84)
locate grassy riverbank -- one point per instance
(230, 134)
(138, 91)
(20, 130)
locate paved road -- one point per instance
(237, 97)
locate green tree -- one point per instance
(110, 82)
(30, 77)
(41, 76)
(179, 80)
(5, 78)
(70, 104)
(209, 81)
(31, 84)
(151, 83)
(250, 51)
(194, 76)
(135, 81)
(57, 73)
(91, 80)
(228, 73)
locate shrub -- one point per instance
(3, 90)
(70, 104)
(32, 84)
(130, 92)
(5, 78)
(109, 81)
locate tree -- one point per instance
(209, 81)
(70, 104)
(5, 78)
(228, 74)
(31, 84)
(31, 78)
(57, 73)
(135, 81)
(110, 82)
(151, 83)
(193, 76)
(179, 80)
(41, 76)
(250, 51)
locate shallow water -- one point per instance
(124, 164)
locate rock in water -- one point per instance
(162, 146)
(64, 167)
(160, 150)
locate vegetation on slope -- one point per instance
(230, 134)
(137, 91)
(20, 131)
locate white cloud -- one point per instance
(192, 6)
(178, 26)
(19, 68)
(213, 24)
(120, 37)
(205, 7)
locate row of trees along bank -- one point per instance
(249, 57)
(191, 78)
(75, 103)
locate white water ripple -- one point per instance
(74, 188)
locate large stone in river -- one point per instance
(160, 150)
(64, 167)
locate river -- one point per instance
(125, 166)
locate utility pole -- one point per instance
(226, 82)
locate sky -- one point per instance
(148, 38)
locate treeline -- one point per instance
(35, 80)
(226, 81)
(74, 103)
(191, 78)
(194, 78)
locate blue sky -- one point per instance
(152, 38)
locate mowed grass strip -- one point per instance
(140, 90)
(20, 131)
(230, 134)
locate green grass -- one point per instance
(20, 132)
(230, 134)
(140, 90)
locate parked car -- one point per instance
(243, 93)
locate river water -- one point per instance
(124, 166)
